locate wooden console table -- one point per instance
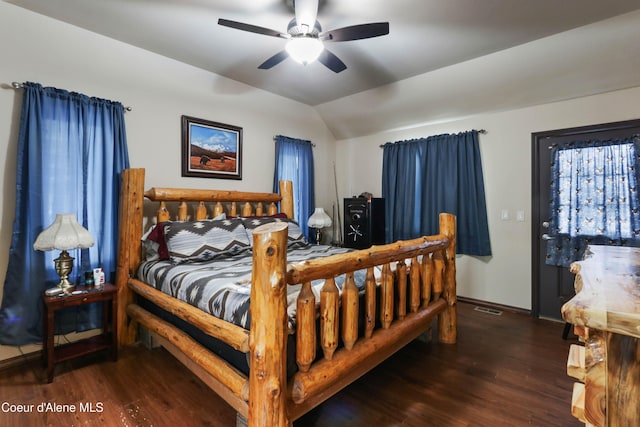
(606, 314)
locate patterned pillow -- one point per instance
(195, 241)
(154, 244)
(295, 237)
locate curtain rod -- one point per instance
(483, 131)
(312, 144)
(18, 85)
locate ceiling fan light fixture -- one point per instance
(305, 37)
(305, 49)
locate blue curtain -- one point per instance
(423, 177)
(594, 197)
(71, 149)
(294, 162)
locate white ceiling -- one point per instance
(425, 37)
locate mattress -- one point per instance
(222, 287)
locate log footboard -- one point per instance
(340, 334)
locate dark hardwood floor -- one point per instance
(507, 370)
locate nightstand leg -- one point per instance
(44, 335)
(48, 343)
(105, 318)
(114, 328)
(108, 309)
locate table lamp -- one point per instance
(65, 233)
(319, 220)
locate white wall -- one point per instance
(597, 58)
(160, 90)
(504, 278)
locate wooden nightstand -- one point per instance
(108, 339)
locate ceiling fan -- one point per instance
(305, 37)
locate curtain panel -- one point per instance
(423, 177)
(594, 197)
(294, 162)
(71, 150)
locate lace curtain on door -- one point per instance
(594, 197)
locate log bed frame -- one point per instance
(410, 297)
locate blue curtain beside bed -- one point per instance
(423, 177)
(71, 150)
(294, 162)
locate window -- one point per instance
(596, 188)
(594, 197)
(294, 162)
(71, 149)
(443, 173)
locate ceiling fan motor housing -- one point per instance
(295, 30)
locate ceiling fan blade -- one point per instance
(251, 28)
(356, 32)
(274, 60)
(306, 13)
(331, 61)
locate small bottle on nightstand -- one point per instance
(88, 280)
(98, 278)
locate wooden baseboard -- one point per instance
(494, 305)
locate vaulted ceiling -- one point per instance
(429, 44)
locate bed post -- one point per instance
(268, 330)
(129, 246)
(286, 204)
(447, 323)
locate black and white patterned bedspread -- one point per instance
(222, 287)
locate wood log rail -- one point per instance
(236, 336)
(422, 276)
(252, 204)
(365, 258)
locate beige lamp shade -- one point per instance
(319, 219)
(65, 233)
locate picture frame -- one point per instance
(211, 149)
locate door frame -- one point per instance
(538, 138)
